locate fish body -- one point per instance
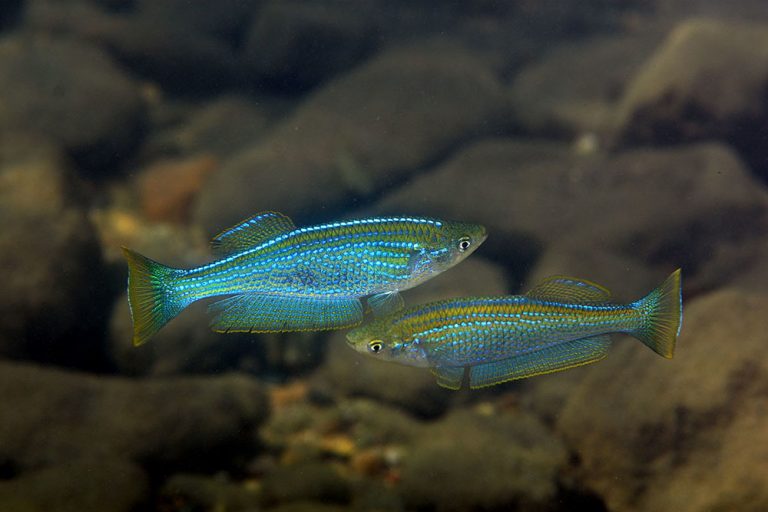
(561, 323)
(278, 277)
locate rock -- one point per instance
(483, 462)
(296, 45)
(209, 420)
(225, 19)
(533, 195)
(149, 40)
(358, 134)
(71, 93)
(706, 81)
(77, 486)
(50, 262)
(309, 506)
(647, 431)
(209, 493)
(586, 103)
(305, 482)
(167, 188)
(221, 127)
(347, 373)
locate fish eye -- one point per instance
(375, 346)
(464, 243)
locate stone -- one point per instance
(296, 44)
(586, 103)
(311, 481)
(71, 93)
(109, 418)
(53, 277)
(209, 493)
(482, 462)
(649, 431)
(358, 134)
(77, 486)
(531, 195)
(167, 188)
(706, 81)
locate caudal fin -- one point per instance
(662, 316)
(151, 298)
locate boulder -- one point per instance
(358, 134)
(296, 44)
(706, 81)
(472, 461)
(584, 105)
(69, 92)
(197, 422)
(687, 434)
(52, 308)
(674, 207)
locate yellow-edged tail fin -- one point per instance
(150, 295)
(662, 316)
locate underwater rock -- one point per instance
(199, 492)
(191, 423)
(297, 44)
(76, 486)
(50, 261)
(648, 432)
(586, 103)
(167, 188)
(71, 93)
(471, 461)
(361, 132)
(347, 373)
(226, 19)
(311, 481)
(532, 194)
(706, 81)
(150, 41)
(220, 127)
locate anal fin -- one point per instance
(449, 376)
(547, 360)
(280, 313)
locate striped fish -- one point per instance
(561, 323)
(277, 277)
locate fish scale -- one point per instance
(282, 278)
(561, 323)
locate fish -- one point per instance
(561, 323)
(275, 277)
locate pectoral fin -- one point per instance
(449, 376)
(548, 360)
(383, 304)
(279, 313)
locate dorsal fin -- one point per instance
(569, 289)
(251, 232)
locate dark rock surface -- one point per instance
(359, 133)
(71, 93)
(52, 305)
(513, 464)
(707, 80)
(650, 431)
(296, 44)
(662, 206)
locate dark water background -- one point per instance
(611, 140)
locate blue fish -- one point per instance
(277, 277)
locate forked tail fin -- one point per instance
(151, 297)
(662, 316)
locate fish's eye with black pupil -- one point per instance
(464, 243)
(375, 346)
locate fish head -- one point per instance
(380, 340)
(455, 241)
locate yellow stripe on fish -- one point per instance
(561, 323)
